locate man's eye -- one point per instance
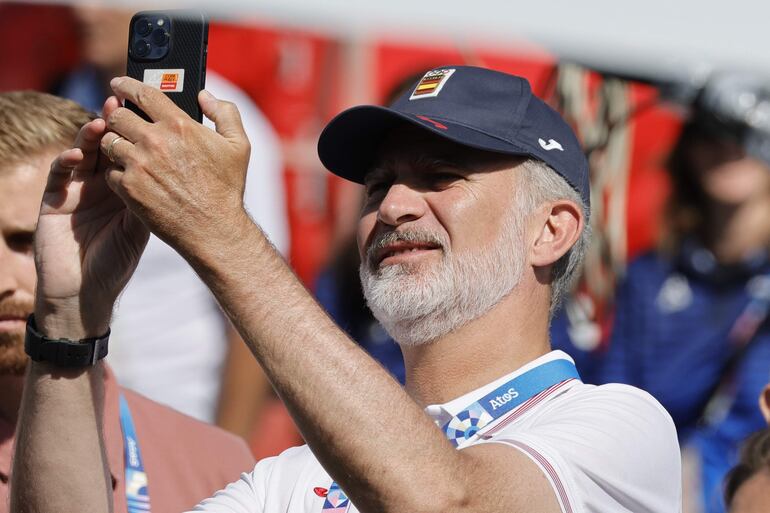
(21, 242)
(444, 178)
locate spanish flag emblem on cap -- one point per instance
(430, 85)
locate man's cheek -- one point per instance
(365, 234)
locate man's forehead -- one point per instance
(38, 163)
(21, 188)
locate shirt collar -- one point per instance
(442, 413)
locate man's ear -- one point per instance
(559, 228)
(764, 403)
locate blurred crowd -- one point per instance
(674, 298)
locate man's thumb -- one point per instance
(224, 114)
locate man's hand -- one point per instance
(87, 242)
(184, 180)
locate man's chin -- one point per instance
(13, 359)
(408, 274)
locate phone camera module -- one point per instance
(141, 48)
(143, 26)
(160, 37)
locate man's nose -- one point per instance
(400, 205)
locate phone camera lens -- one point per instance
(160, 37)
(141, 48)
(143, 26)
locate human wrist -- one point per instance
(217, 240)
(60, 320)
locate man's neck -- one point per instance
(738, 231)
(507, 337)
(10, 398)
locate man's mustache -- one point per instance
(12, 307)
(412, 236)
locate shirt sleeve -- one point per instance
(612, 450)
(247, 495)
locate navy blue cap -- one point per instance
(475, 107)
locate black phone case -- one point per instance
(187, 50)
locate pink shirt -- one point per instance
(185, 460)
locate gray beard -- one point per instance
(419, 303)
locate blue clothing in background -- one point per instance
(670, 338)
(84, 85)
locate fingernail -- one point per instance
(116, 81)
(208, 95)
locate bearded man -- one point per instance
(473, 227)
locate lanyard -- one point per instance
(137, 494)
(505, 398)
(479, 414)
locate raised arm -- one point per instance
(86, 246)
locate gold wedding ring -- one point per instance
(112, 143)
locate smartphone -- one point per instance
(167, 50)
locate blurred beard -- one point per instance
(13, 359)
(418, 303)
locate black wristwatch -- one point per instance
(64, 352)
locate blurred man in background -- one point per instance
(691, 317)
(219, 380)
(34, 128)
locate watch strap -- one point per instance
(64, 352)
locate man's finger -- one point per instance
(111, 104)
(150, 100)
(127, 123)
(61, 169)
(224, 114)
(87, 141)
(118, 149)
(78, 161)
(114, 178)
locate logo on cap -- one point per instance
(430, 85)
(550, 145)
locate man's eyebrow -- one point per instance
(437, 162)
(20, 228)
(377, 172)
(433, 160)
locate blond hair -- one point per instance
(32, 122)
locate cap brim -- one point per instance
(350, 142)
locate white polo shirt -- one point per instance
(609, 449)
